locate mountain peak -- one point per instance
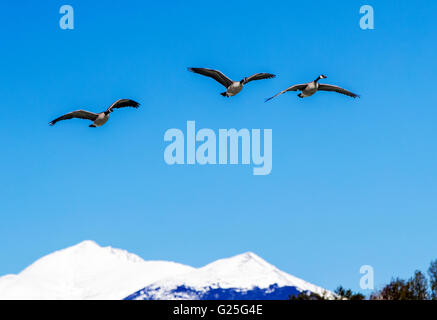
(86, 271)
(247, 257)
(86, 255)
(245, 271)
(242, 273)
(240, 263)
(87, 244)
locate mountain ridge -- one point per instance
(90, 271)
(244, 276)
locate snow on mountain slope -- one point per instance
(89, 271)
(86, 271)
(234, 277)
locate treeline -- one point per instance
(418, 287)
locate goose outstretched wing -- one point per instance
(80, 114)
(214, 74)
(258, 76)
(123, 103)
(292, 88)
(329, 87)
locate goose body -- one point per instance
(232, 87)
(310, 88)
(98, 119)
(101, 119)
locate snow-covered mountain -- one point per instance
(89, 271)
(244, 277)
(86, 271)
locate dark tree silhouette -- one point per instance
(340, 294)
(305, 295)
(347, 294)
(432, 272)
(397, 289)
(418, 287)
(415, 288)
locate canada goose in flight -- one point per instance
(99, 119)
(310, 88)
(232, 87)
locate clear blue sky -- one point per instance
(354, 182)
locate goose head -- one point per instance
(322, 76)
